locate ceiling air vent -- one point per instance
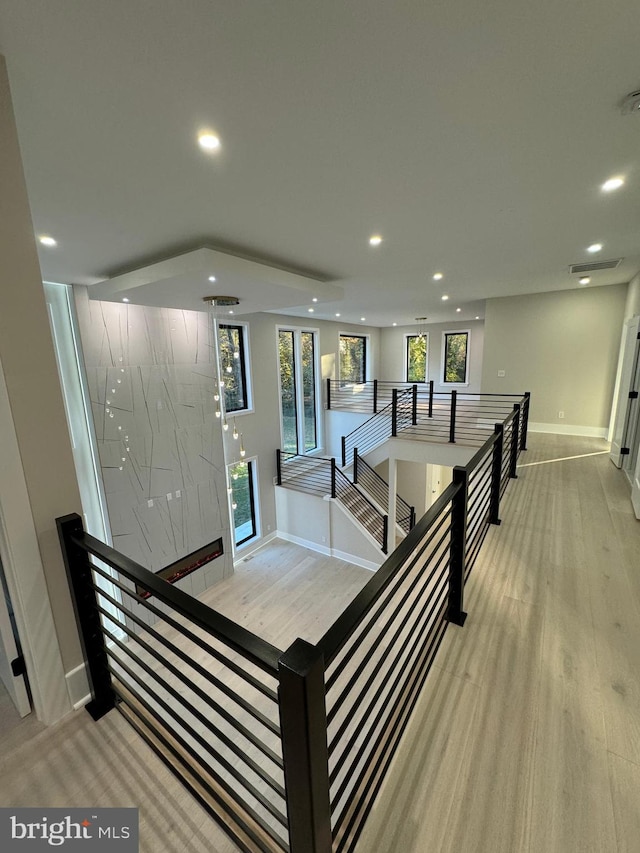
(595, 266)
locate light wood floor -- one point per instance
(527, 737)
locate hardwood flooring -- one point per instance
(527, 736)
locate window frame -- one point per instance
(443, 362)
(252, 480)
(367, 343)
(297, 332)
(407, 337)
(245, 365)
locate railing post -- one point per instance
(496, 475)
(303, 724)
(333, 477)
(455, 612)
(355, 464)
(344, 450)
(375, 396)
(328, 393)
(414, 405)
(84, 598)
(452, 421)
(412, 517)
(524, 427)
(431, 398)
(394, 412)
(279, 467)
(515, 438)
(385, 534)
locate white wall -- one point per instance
(563, 348)
(393, 346)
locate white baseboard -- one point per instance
(357, 561)
(254, 546)
(306, 543)
(78, 686)
(569, 429)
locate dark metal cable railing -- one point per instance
(376, 430)
(361, 508)
(288, 750)
(378, 489)
(306, 473)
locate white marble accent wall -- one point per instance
(151, 380)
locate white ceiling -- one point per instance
(473, 136)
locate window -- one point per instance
(454, 358)
(297, 357)
(353, 358)
(241, 485)
(417, 354)
(233, 367)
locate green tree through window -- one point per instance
(353, 358)
(416, 358)
(455, 356)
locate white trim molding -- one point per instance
(569, 429)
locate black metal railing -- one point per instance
(416, 412)
(378, 489)
(288, 750)
(322, 477)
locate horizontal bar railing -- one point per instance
(310, 474)
(377, 429)
(289, 750)
(368, 479)
(362, 509)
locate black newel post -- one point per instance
(344, 450)
(328, 393)
(333, 477)
(412, 517)
(455, 612)
(83, 596)
(385, 534)
(452, 422)
(355, 464)
(431, 398)
(303, 723)
(279, 467)
(394, 412)
(375, 396)
(524, 426)
(515, 442)
(414, 405)
(496, 475)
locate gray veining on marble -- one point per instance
(151, 374)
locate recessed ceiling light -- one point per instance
(438, 276)
(47, 241)
(444, 297)
(394, 324)
(208, 141)
(310, 310)
(337, 315)
(594, 247)
(613, 184)
(584, 280)
(375, 240)
(212, 278)
(362, 319)
(477, 318)
(230, 310)
(315, 299)
(458, 310)
(124, 299)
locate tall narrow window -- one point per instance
(353, 358)
(233, 367)
(242, 501)
(455, 361)
(416, 357)
(297, 354)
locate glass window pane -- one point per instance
(244, 519)
(416, 358)
(309, 391)
(288, 391)
(353, 367)
(232, 367)
(455, 357)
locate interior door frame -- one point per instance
(625, 407)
